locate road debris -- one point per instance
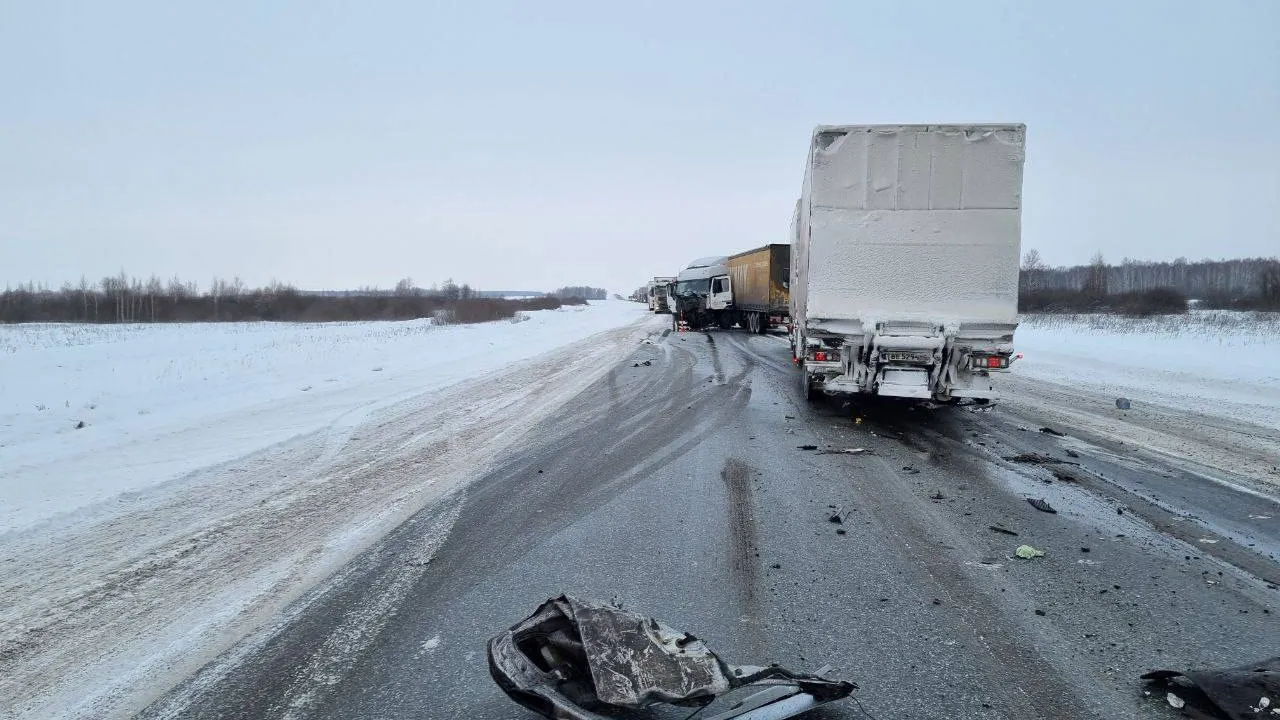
(573, 656)
(1037, 459)
(937, 495)
(836, 516)
(1026, 552)
(1245, 691)
(806, 447)
(1072, 453)
(1042, 505)
(1208, 541)
(841, 531)
(910, 470)
(1051, 431)
(1123, 403)
(1005, 531)
(848, 451)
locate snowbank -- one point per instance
(160, 401)
(1213, 362)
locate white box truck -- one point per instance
(904, 259)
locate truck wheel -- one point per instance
(762, 323)
(806, 385)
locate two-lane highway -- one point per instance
(680, 487)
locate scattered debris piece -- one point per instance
(1238, 692)
(1005, 531)
(912, 471)
(937, 495)
(1259, 517)
(852, 451)
(1042, 505)
(1123, 403)
(1208, 541)
(990, 565)
(840, 531)
(550, 662)
(936, 601)
(776, 566)
(647, 363)
(836, 516)
(1051, 431)
(789, 417)
(1026, 552)
(80, 425)
(1087, 562)
(806, 447)
(1120, 511)
(1037, 459)
(1072, 453)
(1039, 612)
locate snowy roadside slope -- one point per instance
(104, 609)
(1204, 387)
(160, 401)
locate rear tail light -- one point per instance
(826, 356)
(991, 361)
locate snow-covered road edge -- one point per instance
(164, 580)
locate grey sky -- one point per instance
(536, 144)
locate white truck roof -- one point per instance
(911, 223)
(706, 267)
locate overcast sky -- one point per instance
(537, 144)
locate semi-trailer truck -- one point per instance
(904, 262)
(658, 294)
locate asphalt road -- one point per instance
(680, 488)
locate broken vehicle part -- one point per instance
(574, 657)
(1042, 505)
(1240, 692)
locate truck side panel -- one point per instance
(761, 279)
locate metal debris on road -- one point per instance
(1123, 403)
(1026, 552)
(1051, 431)
(573, 656)
(1042, 505)
(806, 447)
(1175, 701)
(937, 495)
(1245, 691)
(836, 516)
(1005, 531)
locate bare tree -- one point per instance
(1096, 282)
(405, 288)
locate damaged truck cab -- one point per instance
(904, 261)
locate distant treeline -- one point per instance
(1141, 288)
(125, 299)
(582, 291)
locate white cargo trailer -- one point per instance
(904, 259)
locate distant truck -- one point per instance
(760, 281)
(748, 289)
(658, 294)
(904, 264)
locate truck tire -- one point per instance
(762, 323)
(806, 385)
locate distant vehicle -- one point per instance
(658, 294)
(904, 264)
(760, 282)
(749, 289)
(701, 293)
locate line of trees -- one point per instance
(124, 299)
(1245, 284)
(582, 291)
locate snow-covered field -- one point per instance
(1204, 386)
(158, 401)
(225, 470)
(1221, 361)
